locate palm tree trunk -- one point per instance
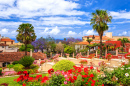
(100, 46)
(25, 49)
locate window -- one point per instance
(11, 42)
(2, 46)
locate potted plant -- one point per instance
(109, 56)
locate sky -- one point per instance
(62, 18)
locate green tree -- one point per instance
(89, 40)
(29, 46)
(99, 22)
(123, 41)
(26, 34)
(69, 49)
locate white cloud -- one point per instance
(120, 14)
(32, 8)
(89, 32)
(123, 33)
(53, 31)
(4, 31)
(70, 33)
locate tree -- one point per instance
(39, 44)
(69, 49)
(26, 34)
(99, 22)
(89, 40)
(59, 47)
(29, 46)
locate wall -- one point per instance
(109, 34)
(117, 37)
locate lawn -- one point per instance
(10, 80)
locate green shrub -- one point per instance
(63, 65)
(15, 62)
(0, 71)
(18, 67)
(33, 66)
(10, 66)
(56, 80)
(78, 81)
(26, 61)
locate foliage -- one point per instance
(123, 41)
(63, 65)
(10, 66)
(0, 71)
(122, 49)
(29, 46)
(16, 62)
(99, 22)
(18, 67)
(70, 40)
(39, 44)
(26, 34)
(69, 50)
(56, 80)
(89, 40)
(26, 61)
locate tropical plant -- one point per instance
(99, 22)
(69, 49)
(123, 41)
(89, 40)
(29, 46)
(59, 48)
(63, 65)
(26, 34)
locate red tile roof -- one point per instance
(86, 43)
(6, 40)
(2, 44)
(15, 56)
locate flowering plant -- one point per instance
(102, 65)
(83, 61)
(109, 56)
(42, 62)
(91, 56)
(127, 56)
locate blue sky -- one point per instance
(62, 18)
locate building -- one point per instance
(6, 40)
(109, 34)
(9, 57)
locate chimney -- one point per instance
(30, 52)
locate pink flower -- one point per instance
(65, 82)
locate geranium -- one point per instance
(91, 56)
(127, 56)
(50, 71)
(45, 78)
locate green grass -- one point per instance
(11, 82)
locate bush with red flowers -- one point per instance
(127, 56)
(83, 61)
(42, 62)
(109, 56)
(78, 76)
(79, 56)
(91, 56)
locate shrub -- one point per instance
(15, 62)
(26, 61)
(0, 71)
(63, 65)
(18, 67)
(10, 66)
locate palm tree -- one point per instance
(89, 40)
(99, 22)
(26, 34)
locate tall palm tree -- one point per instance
(99, 22)
(26, 34)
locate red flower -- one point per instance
(102, 84)
(24, 84)
(91, 67)
(25, 72)
(93, 81)
(30, 78)
(86, 69)
(84, 76)
(92, 84)
(72, 80)
(20, 72)
(70, 71)
(91, 75)
(45, 78)
(50, 71)
(75, 77)
(18, 79)
(38, 76)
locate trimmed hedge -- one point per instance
(63, 65)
